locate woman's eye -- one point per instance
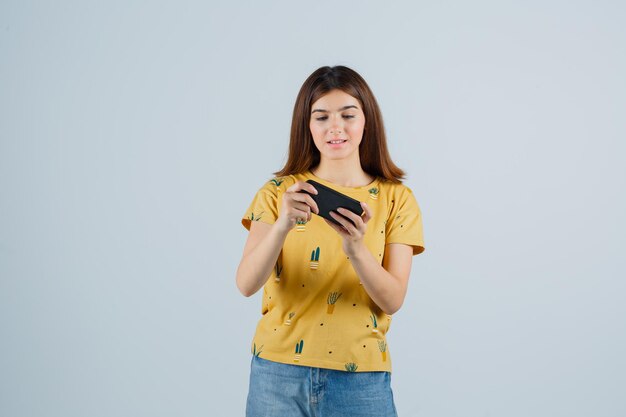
(346, 116)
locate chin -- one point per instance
(337, 156)
(334, 155)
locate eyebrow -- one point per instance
(341, 109)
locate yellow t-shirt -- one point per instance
(315, 310)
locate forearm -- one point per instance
(256, 266)
(382, 287)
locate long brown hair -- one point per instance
(373, 152)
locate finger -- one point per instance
(302, 207)
(295, 187)
(303, 198)
(302, 186)
(306, 199)
(356, 220)
(301, 214)
(337, 228)
(307, 210)
(347, 224)
(368, 212)
(310, 188)
(313, 205)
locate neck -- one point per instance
(342, 172)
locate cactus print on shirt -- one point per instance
(314, 310)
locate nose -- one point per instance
(336, 127)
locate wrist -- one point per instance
(357, 250)
(282, 226)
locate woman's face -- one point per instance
(337, 123)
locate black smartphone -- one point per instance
(328, 200)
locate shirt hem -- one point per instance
(320, 363)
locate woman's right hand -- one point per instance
(265, 242)
(297, 205)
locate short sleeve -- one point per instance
(404, 224)
(264, 205)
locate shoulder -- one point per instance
(400, 197)
(275, 186)
(395, 189)
(280, 184)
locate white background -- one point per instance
(133, 136)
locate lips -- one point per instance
(337, 141)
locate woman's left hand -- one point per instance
(353, 230)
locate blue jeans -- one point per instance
(283, 390)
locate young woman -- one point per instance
(329, 291)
